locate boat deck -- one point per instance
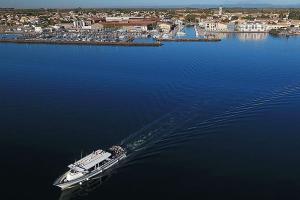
(90, 160)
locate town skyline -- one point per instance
(149, 3)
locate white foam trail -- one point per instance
(182, 124)
(231, 115)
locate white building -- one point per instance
(86, 27)
(164, 27)
(122, 19)
(38, 29)
(220, 11)
(255, 27)
(276, 26)
(215, 27)
(135, 28)
(116, 19)
(78, 24)
(178, 22)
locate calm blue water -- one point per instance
(212, 120)
(9, 36)
(189, 31)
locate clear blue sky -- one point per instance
(121, 3)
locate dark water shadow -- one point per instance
(181, 126)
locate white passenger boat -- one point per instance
(88, 167)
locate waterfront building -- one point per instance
(231, 27)
(78, 24)
(215, 27)
(136, 28)
(252, 27)
(277, 26)
(164, 27)
(81, 24)
(295, 23)
(130, 24)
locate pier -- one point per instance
(196, 30)
(94, 43)
(190, 40)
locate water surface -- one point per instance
(212, 120)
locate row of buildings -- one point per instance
(249, 26)
(243, 22)
(232, 27)
(143, 21)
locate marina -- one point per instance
(190, 40)
(181, 34)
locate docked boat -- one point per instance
(91, 165)
(166, 36)
(180, 33)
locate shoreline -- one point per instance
(86, 43)
(189, 40)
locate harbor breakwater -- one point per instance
(190, 40)
(94, 43)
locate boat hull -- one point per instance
(69, 184)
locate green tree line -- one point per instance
(295, 14)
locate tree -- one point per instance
(234, 18)
(263, 16)
(225, 21)
(294, 14)
(281, 15)
(151, 26)
(190, 18)
(249, 17)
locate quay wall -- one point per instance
(94, 43)
(189, 40)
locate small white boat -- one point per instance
(180, 33)
(121, 37)
(166, 36)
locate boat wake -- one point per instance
(182, 125)
(187, 123)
